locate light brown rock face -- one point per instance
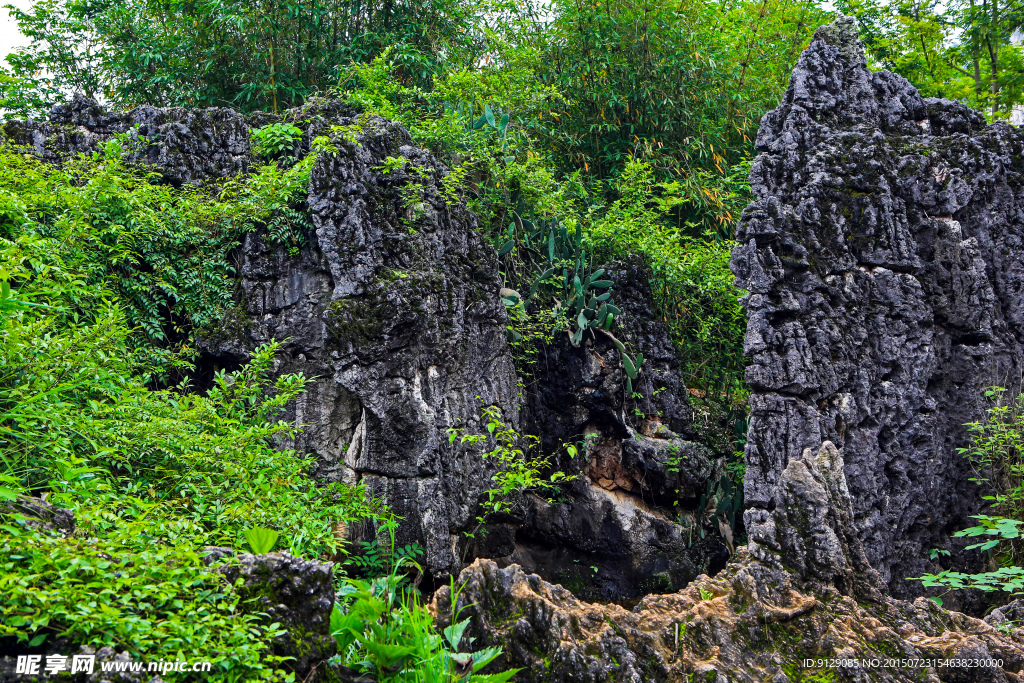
(801, 591)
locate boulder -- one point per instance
(298, 594)
(186, 145)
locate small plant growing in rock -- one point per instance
(996, 454)
(392, 164)
(519, 471)
(260, 539)
(274, 139)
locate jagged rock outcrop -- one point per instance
(391, 306)
(186, 145)
(628, 524)
(884, 259)
(778, 612)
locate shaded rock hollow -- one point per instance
(628, 525)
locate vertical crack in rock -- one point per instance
(884, 262)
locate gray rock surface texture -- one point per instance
(296, 593)
(628, 524)
(884, 261)
(392, 307)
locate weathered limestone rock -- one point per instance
(805, 594)
(884, 259)
(39, 514)
(811, 529)
(186, 145)
(392, 307)
(296, 593)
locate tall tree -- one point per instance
(962, 49)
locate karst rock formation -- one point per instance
(884, 261)
(884, 267)
(392, 309)
(814, 611)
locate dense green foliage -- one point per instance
(161, 252)
(382, 628)
(540, 108)
(252, 55)
(959, 50)
(95, 264)
(511, 179)
(683, 83)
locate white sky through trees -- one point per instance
(10, 37)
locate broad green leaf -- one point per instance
(453, 634)
(386, 655)
(261, 540)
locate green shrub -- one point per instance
(131, 591)
(383, 628)
(996, 453)
(152, 477)
(692, 283)
(520, 469)
(275, 138)
(96, 263)
(98, 227)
